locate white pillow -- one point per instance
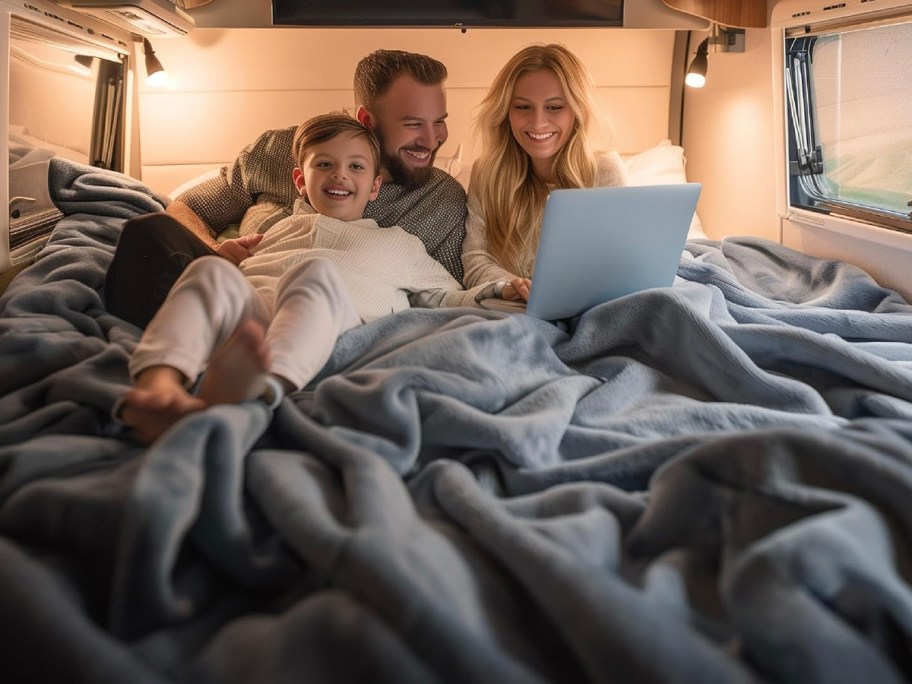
(196, 180)
(662, 165)
(456, 166)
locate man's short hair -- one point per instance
(376, 72)
(325, 127)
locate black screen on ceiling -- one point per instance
(468, 13)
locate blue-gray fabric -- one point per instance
(704, 483)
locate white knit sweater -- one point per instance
(380, 266)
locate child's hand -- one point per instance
(238, 249)
(517, 289)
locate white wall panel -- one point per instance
(229, 85)
(213, 126)
(731, 143)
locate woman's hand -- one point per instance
(238, 249)
(517, 289)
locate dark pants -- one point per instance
(153, 251)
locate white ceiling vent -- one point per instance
(149, 18)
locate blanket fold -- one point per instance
(702, 483)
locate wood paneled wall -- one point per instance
(737, 13)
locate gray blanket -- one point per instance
(704, 483)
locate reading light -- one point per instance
(155, 72)
(696, 72)
(722, 39)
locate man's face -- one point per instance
(410, 123)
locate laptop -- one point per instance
(598, 244)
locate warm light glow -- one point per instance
(695, 80)
(158, 79)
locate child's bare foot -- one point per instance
(150, 412)
(237, 370)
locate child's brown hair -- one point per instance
(325, 127)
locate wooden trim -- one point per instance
(734, 13)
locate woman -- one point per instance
(538, 124)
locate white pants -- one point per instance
(303, 316)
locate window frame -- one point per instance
(804, 155)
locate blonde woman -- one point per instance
(539, 123)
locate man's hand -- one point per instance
(517, 289)
(238, 249)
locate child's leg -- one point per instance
(237, 370)
(312, 309)
(202, 312)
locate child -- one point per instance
(267, 326)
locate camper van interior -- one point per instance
(707, 482)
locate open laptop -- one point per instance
(598, 244)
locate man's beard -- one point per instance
(402, 174)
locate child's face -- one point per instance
(338, 177)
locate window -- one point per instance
(850, 122)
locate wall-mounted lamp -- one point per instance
(696, 72)
(155, 73)
(722, 40)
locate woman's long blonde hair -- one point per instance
(512, 197)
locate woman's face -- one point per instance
(540, 117)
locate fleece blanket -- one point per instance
(703, 483)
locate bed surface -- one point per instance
(703, 483)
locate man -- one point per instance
(399, 95)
